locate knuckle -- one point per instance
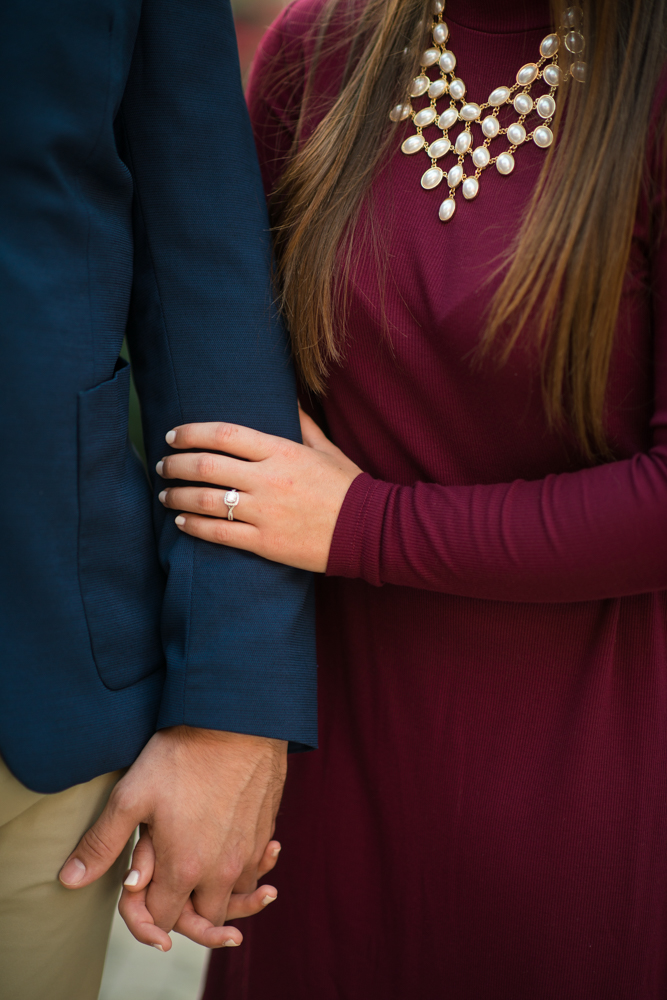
(95, 847)
(209, 500)
(231, 871)
(123, 800)
(285, 449)
(206, 466)
(224, 433)
(185, 876)
(221, 533)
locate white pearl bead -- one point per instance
(470, 188)
(419, 86)
(543, 136)
(552, 74)
(432, 178)
(439, 148)
(481, 156)
(447, 209)
(546, 107)
(447, 62)
(516, 134)
(573, 17)
(455, 175)
(578, 71)
(549, 46)
(505, 163)
(413, 144)
(440, 33)
(430, 57)
(574, 42)
(438, 6)
(498, 96)
(463, 142)
(437, 89)
(401, 112)
(447, 118)
(425, 117)
(470, 112)
(457, 89)
(490, 127)
(527, 74)
(523, 104)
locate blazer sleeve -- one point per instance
(206, 344)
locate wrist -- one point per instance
(244, 742)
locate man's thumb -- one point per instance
(99, 847)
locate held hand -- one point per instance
(289, 494)
(207, 801)
(137, 916)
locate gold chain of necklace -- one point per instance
(546, 68)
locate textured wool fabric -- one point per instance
(123, 212)
(486, 818)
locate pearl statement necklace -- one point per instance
(547, 68)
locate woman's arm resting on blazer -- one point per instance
(587, 535)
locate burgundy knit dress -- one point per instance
(486, 817)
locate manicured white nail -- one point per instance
(179, 520)
(268, 899)
(275, 852)
(133, 879)
(230, 943)
(162, 496)
(73, 872)
(170, 437)
(159, 947)
(158, 468)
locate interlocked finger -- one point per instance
(132, 908)
(208, 500)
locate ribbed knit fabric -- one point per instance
(486, 818)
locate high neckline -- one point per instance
(499, 16)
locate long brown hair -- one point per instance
(565, 272)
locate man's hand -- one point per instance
(207, 802)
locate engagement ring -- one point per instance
(231, 499)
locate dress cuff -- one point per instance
(357, 539)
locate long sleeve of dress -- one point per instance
(578, 536)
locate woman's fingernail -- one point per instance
(73, 872)
(159, 947)
(230, 943)
(162, 496)
(268, 899)
(158, 468)
(180, 520)
(133, 879)
(170, 437)
(275, 852)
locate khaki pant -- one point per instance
(52, 940)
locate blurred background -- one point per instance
(252, 17)
(134, 971)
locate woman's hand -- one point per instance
(289, 494)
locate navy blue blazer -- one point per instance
(131, 202)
